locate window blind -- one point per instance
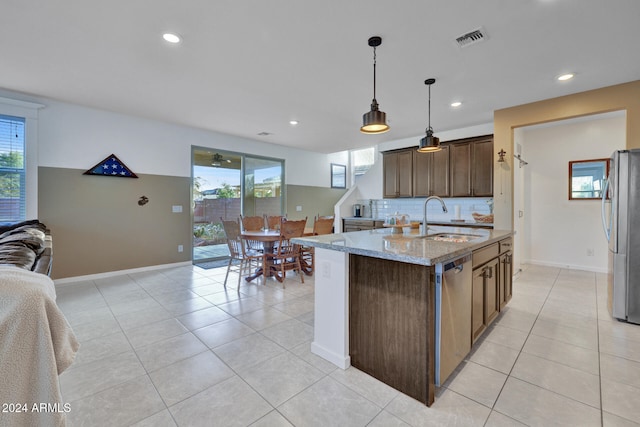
(12, 169)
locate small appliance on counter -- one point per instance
(358, 210)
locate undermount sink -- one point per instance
(452, 237)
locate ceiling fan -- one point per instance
(217, 159)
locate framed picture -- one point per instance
(338, 176)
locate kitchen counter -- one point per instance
(380, 299)
(411, 246)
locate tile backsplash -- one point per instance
(379, 208)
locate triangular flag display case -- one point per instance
(111, 166)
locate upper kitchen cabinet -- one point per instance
(431, 173)
(471, 167)
(398, 173)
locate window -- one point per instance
(12, 169)
(362, 160)
(586, 178)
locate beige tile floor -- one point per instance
(172, 347)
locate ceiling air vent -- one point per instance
(264, 134)
(472, 37)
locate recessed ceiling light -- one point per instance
(456, 104)
(171, 38)
(565, 77)
(293, 122)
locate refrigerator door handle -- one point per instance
(605, 226)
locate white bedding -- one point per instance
(36, 345)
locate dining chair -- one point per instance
(286, 256)
(273, 221)
(252, 223)
(239, 252)
(321, 225)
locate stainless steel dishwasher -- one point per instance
(453, 315)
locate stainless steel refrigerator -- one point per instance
(621, 221)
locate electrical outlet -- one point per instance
(326, 270)
(180, 248)
(298, 208)
(589, 251)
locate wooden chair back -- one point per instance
(252, 223)
(289, 230)
(273, 221)
(234, 241)
(323, 225)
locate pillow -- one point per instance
(18, 255)
(32, 238)
(8, 227)
(18, 228)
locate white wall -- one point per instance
(557, 231)
(78, 137)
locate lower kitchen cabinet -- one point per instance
(491, 285)
(360, 224)
(506, 273)
(477, 304)
(484, 306)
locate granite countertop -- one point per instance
(411, 246)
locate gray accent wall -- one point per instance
(97, 225)
(314, 201)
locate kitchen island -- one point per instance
(381, 306)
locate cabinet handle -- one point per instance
(487, 273)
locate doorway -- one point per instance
(226, 185)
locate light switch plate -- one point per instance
(176, 208)
(298, 208)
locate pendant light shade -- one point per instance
(374, 121)
(429, 143)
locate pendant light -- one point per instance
(429, 143)
(374, 121)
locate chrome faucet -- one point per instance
(425, 228)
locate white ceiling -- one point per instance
(249, 66)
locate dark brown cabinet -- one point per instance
(460, 169)
(485, 306)
(477, 304)
(506, 272)
(398, 173)
(431, 173)
(471, 167)
(360, 224)
(491, 284)
(482, 168)
(463, 168)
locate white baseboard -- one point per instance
(70, 280)
(567, 266)
(342, 362)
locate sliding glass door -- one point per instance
(226, 185)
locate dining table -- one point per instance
(268, 238)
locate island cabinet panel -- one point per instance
(477, 305)
(392, 324)
(506, 272)
(492, 287)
